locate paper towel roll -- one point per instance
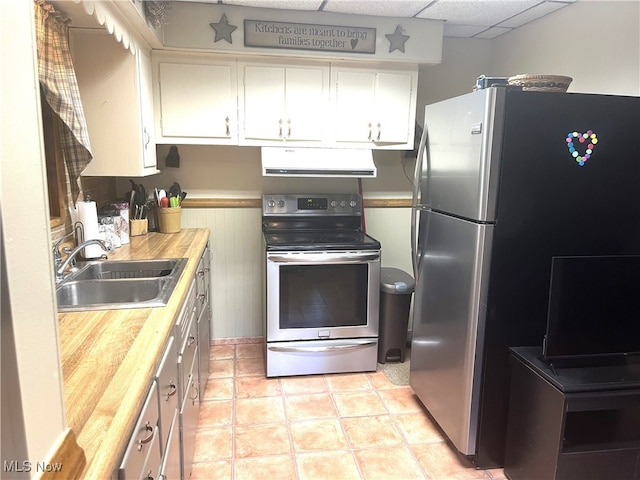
(88, 216)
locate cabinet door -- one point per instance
(111, 81)
(283, 103)
(393, 109)
(374, 107)
(354, 93)
(149, 159)
(188, 426)
(197, 102)
(264, 102)
(171, 462)
(305, 103)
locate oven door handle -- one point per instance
(314, 349)
(322, 258)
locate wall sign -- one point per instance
(306, 36)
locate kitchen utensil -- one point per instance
(175, 190)
(132, 199)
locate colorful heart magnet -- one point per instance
(589, 138)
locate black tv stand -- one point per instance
(568, 421)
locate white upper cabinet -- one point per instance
(283, 103)
(374, 107)
(116, 94)
(195, 99)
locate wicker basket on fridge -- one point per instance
(541, 83)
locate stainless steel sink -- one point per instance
(111, 270)
(120, 284)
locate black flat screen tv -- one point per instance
(594, 307)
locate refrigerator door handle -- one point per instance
(417, 181)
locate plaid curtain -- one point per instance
(60, 88)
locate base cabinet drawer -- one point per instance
(170, 469)
(167, 379)
(143, 450)
(188, 425)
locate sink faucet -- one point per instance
(60, 265)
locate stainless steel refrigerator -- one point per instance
(505, 180)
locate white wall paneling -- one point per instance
(237, 255)
(236, 268)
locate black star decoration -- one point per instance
(397, 40)
(223, 29)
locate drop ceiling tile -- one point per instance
(453, 30)
(492, 32)
(278, 4)
(386, 8)
(476, 12)
(533, 13)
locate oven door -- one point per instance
(322, 295)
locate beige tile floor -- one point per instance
(328, 427)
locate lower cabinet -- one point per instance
(142, 456)
(188, 425)
(204, 318)
(572, 423)
(162, 443)
(171, 462)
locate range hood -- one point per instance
(317, 162)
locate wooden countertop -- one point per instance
(109, 357)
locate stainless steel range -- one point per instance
(322, 285)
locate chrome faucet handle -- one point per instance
(57, 258)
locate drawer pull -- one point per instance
(147, 439)
(194, 389)
(172, 391)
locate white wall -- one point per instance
(595, 42)
(549, 45)
(236, 236)
(28, 308)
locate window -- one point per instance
(56, 183)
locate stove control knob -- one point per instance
(281, 203)
(353, 203)
(343, 203)
(271, 203)
(334, 204)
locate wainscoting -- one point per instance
(237, 276)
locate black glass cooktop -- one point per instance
(320, 240)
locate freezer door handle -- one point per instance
(317, 348)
